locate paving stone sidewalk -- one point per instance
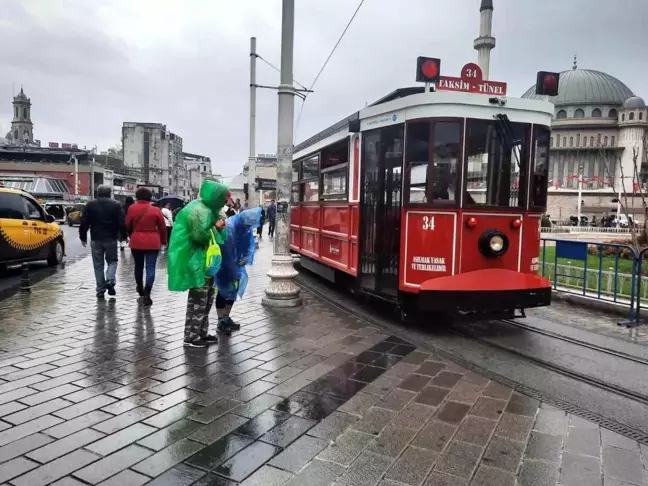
(102, 392)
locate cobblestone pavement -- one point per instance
(102, 392)
(592, 320)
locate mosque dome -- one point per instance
(584, 86)
(634, 103)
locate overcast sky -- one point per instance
(90, 65)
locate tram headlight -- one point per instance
(493, 243)
(496, 243)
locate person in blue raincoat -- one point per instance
(237, 251)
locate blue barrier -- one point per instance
(578, 267)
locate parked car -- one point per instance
(57, 209)
(74, 214)
(27, 232)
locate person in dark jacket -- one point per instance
(272, 217)
(148, 234)
(104, 218)
(128, 202)
(263, 218)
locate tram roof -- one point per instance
(394, 95)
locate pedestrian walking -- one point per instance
(194, 258)
(128, 202)
(272, 217)
(148, 233)
(237, 252)
(260, 228)
(168, 219)
(104, 218)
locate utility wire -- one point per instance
(326, 62)
(279, 71)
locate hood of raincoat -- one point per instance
(192, 230)
(214, 195)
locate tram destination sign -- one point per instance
(471, 81)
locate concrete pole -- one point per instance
(580, 193)
(76, 177)
(282, 290)
(252, 197)
(92, 175)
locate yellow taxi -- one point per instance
(74, 214)
(27, 232)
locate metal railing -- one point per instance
(604, 271)
(585, 229)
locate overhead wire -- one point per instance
(279, 70)
(326, 63)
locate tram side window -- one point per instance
(497, 162)
(310, 179)
(335, 170)
(540, 177)
(418, 156)
(294, 198)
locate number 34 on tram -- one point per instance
(431, 197)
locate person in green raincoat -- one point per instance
(194, 258)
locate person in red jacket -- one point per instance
(148, 234)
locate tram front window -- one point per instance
(497, 161)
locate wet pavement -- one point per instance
(102, 392)
(10, 279)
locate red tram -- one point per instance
(430, 199)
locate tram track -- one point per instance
(619, 408)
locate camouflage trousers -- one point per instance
(199, 303)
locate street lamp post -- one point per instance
(251, 195)
(282, 291)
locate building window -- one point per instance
(598, 142)
(558, 141)
(623, 117)
(561, 114)
(579, 113)
(552, 142)
(641, 116)
(591, 141)
(578, 139)
(613, 113)
(571, 141)
(605, 141)
(16, 135)
(612, 141)
(584, 141)
(24, 112)
(596, 113)
(564, 141)
(631, 116)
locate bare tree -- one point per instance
(639, 237)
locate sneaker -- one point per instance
(100, 295)
(197, 343)
(223, 329)
(210, 339)
(231, 324)
(147, 301)
(140, 290)
(111, 289)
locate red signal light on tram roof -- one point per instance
(471, 222)
(428, 69)
(547, 83)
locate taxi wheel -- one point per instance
(56, 255)
(69, 222)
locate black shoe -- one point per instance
(223, 329)
(231, 324)
(140, 290)
(147, 300)
(210, 339)
(111, 288)
(100, 295)
(197, 343)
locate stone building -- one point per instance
(599, 134)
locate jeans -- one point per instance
(271, 227)
(104, 250)
(142, 258)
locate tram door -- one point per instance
(380, 205)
